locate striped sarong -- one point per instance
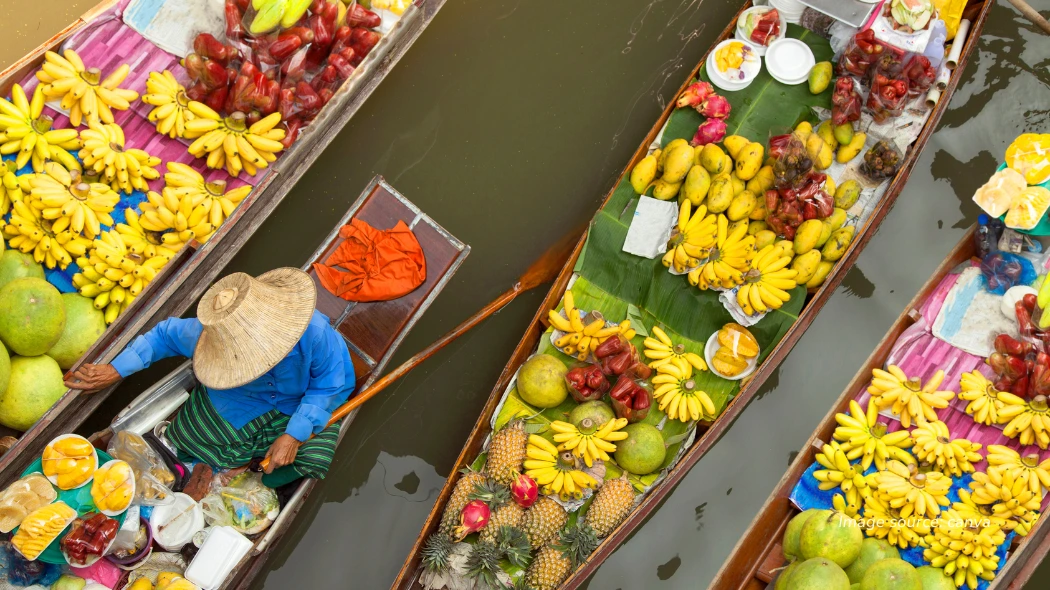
(199, 431)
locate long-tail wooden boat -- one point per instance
(184, 279)
(707, 432)
(758, 557)
(373, 331)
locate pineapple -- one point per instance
(483, 565)
(556, 561)
(436, 552)
(509, 515)
(460, 496)
(610, 506)
(514, 545)
(507, 452)
(542, 521)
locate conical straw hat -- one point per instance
(250, 325)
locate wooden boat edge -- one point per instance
(410, 569)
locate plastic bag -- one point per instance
(881, 161)
(245, 504)
(950, 12)
(889, 89)
(631, 400)
(617, 356)
(587, 383)
(153, 479)
(792, 161)
(20, 571)
(113, 488)
(920, 73)
(845, 101)
(863, 51)
(1003, 270)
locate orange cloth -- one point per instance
(376, 265)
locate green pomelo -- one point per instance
(32, 316)
(642, 451)
(818, 574)
(541, 381)
(891, 574)
(15, 265)
(781, 583)
(35, 386)
(5, 368)
(933, 578)
(834, 536)
(598, 411)
(84, 325)
(871, 550)
(794, 528)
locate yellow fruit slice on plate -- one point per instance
(996, 195)
(1028, 208)
(1029, 154)
(738, 339)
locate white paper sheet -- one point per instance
(651, 227)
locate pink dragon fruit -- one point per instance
(695, 94)
(524, 490)
(715, 107)
(473, 518)
(710, 131)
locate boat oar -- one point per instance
(1031, 14)
(543, 270)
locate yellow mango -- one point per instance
(847, 194)
(679, 161)
(848, 152)
(803, 129)
(838, 243)
(696, 185)
(827, 133)
(806, 236)
(821, 274)
(721, 194)
(742, 206)
(643, 174)
(735, 143)
(713, 159)
(762, 182)
(837, 218)
(756, 226)
(764, 238)
(806, 266)
(820, 152)
(662, 158)
(665, 191)
(750, 161)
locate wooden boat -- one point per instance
(373, 331)
(707, 433)
(758, 556)
(187, 276)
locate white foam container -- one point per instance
(221, 552)
(174, 537)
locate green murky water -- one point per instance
(507, 122)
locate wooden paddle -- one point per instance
(543, 270)
(1031, 14)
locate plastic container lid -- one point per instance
(789, 61)
(221, 552)
(185, 517)
(751, 67)
(982, 219)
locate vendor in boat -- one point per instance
(271, 369)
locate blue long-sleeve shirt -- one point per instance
(308, 384)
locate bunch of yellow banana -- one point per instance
(195, 195)
(691, 239)
(141, 241)
(839, 504)
(727, 260)
(229, 143)
(885, 522)
(908, 398)
(67, 201)
(114, 276)
(589, 441)
(10, 190)
(161, 213)
(934, 445)
(965, 550)
(903, 487)
(26, 130)
(170, 104)
(663, 350)
(969, 509)
(767, 284)
(863, 436)
(556, 472)
(1017, 514)
(581, 339)
(1008, 496)
(29, 232)
(839, 473)
(1029, 469)
(123, 169)
(984, 399)
(1027, 421)
(84, 93)
(679, 394)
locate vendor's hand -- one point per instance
(282, 452)
(91, 378)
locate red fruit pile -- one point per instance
(630, 400)
(618, 356)
(90, 537)
(845, 102)
(295, 71)
(1022, 367)
(788, 207)
(586, 383)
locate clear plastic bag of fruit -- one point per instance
(587, 383)
(153, 479)
(920, 73)
(631, 399)
(792, 162)
(90, 537)
(881, 161)
(618, 356)
(888, 94)
(862, 52)
(245, 504)
(40, 528)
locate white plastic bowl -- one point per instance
(751, 67)
(709, 354)
(741, 36)
(789, 61)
